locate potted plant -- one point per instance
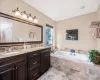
(94, 56)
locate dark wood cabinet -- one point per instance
(34, 74)
(21, 70)
(29, 66)
(13, 68)
(33, 65)
(45, 60)
(7, 72)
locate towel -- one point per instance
(2, 36)
(96, 33)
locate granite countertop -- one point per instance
(22, 51)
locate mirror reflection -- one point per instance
(14, 31)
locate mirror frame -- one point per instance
(22, 21)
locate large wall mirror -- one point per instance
(16, 30)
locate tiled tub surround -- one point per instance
(19, 47)
(76, 70)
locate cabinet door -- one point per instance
(45, 61)
(7, 72)
(21, 71)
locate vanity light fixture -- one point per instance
(24, 15)
(30, 17)
(17, 12)
(35, 20)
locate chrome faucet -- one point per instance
(8, 49)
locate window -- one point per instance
(49, 35)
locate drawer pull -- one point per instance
(35, 74)
(45, 51)
(35, 63)
(35, 54)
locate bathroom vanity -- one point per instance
(28, 64)
(25, 66)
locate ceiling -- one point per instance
(64, 9)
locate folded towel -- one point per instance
(96, 33)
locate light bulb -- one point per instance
(30, 18)
(17, 13)
(24, 16)
(35, 20)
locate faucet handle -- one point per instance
(10, 49)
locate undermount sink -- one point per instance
(10, 53)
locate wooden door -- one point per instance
(45, 61)
(21, 71)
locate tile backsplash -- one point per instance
(15, 48)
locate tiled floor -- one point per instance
(53, 74)
(69, 70)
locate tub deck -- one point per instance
(76, 68)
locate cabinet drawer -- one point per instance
(45, 51)
(33, 62)
(13, 59)
(33, 54)
(34, 73)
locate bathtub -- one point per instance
(77, 65)
(73, 57)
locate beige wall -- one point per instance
(82, 23)
(98, 19)
(6, 6)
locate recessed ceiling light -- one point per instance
(82, 7)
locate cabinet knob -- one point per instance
(13, 69)
(46, 55)
(35, 54)
(16, 67)
(45, 51)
